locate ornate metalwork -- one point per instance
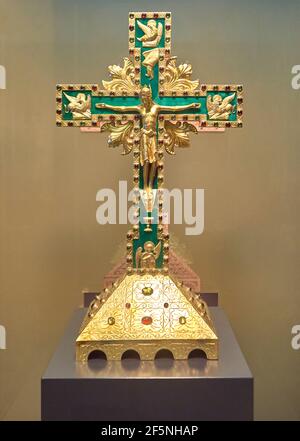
(148, 111)
(122, 78)
(148, 257)
(178, 78)
(152, 33)
(150, 60)
(147, 320)
(220, 108)
(121, 134)
(177, 135)
(79, 105)
(149, 106)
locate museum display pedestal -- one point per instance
(133, 390)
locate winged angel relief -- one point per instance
(148, 257)
(152, 33)
(219, 108)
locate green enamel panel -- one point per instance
(139, 33)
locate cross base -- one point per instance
(146, 314)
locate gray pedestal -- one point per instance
(135, 390)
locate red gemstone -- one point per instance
(203, 124)
(227, 88)
(144, 15)
(228, 124)
(94, 123)
(137, 69)
(131, 28)
(112, 117)
(58, 100)
(131, 51)
(146, 320)
(168, 27)
(155, 15)
(161, 69)
(240, 100)
(70, 124)
(94, 87)
(240, 112)
(58, 112)
(203, 87)
(127, 305)
(166, 305)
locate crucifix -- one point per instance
(148, 107)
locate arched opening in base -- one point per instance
(97, 360)
(197, 359)
(131, 359)
(164, 359)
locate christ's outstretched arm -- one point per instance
(178, 108)
(118, 108)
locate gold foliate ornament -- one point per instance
(176, 135)
(178, 78)
(120, 135)
(122, 78)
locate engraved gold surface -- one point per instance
(167, 305)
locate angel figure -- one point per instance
(79, 105)
(152, 34)
(148, 257)
(219, 108)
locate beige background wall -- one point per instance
(51, 245)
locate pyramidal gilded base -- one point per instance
(147, 313)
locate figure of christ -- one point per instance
(149, 112)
